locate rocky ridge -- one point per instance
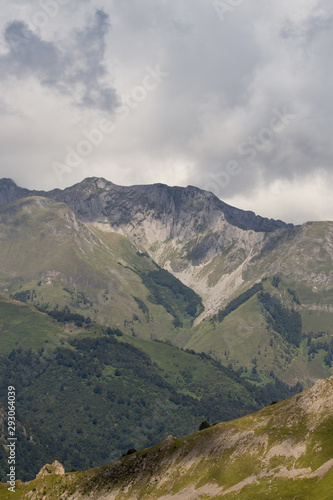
(96, 199)
(185, 230)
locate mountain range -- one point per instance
(100, 239)
(131, 313)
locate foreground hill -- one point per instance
(284, 451)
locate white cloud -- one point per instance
(294, 201)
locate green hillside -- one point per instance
(79, 387)
(284, 451)
(21, 325)
(50, 259)
(269, 331)
(99, 390)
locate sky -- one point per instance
(232, 96)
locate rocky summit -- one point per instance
(96, 199)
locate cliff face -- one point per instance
(9, 191)
(96, 199)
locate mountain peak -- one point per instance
(97, 199)
(6, 181)
(97, 181)
(9, 191)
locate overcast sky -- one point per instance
(231, 96)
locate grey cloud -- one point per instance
(73, 68)
(225, 79)
(318, 21)
(28, 54)
(4, 108)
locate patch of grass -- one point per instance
(22, 326)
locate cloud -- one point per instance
(74, 68)
(210, 123)
(28, 54)
(5, 109)
(295, 201)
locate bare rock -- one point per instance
(55, 468)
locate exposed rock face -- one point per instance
(183, 229)
(96, 199)
(9, 191)
(55, 468)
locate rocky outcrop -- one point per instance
(9, 191)
(54, 468)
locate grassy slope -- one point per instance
(244, 339)
(189, 373)
(303, 260)
(282, 452)
(46, 249)
(22, 326)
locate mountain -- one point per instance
(179, 265)
(97, 199)
(185, 230)
(131, 313)
(283, 451)
(49, 258)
